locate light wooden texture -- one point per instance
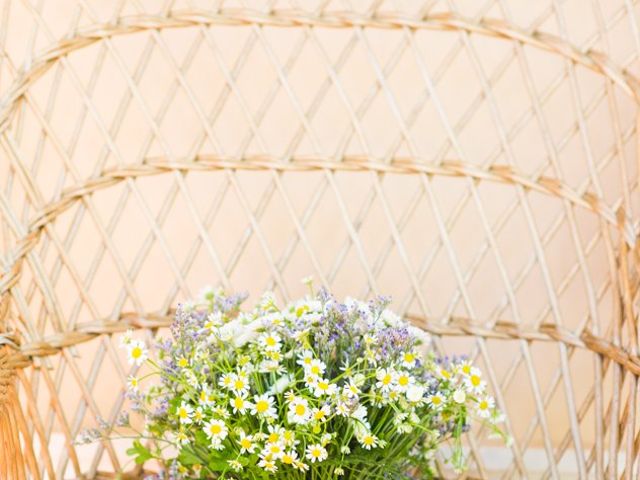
(476, 160)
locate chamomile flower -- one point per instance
(239, 383)
(216, 431)
(268, 464)
(350, 390)
(368, 440)
(239, 404)
(226, 381)
(409, 359)
(235, 465)
(415, 393)
(182, 362)
(299, 411)
(385, 379)
(316, 453)
(184, 413)
(198, 415)
(484, 407)
(133, 383)
(276, 433)
(270, 341)
(305, 358)
(246, 443)
(137, 351)
(263, 406)
(316, 368)
(289, 457)
(459, 396)
(273, 450)
(324, 387)
(321, 414)
(181, 437)
(436, 401)
(403, 381)
(474, 382)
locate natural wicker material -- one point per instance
(525, 248)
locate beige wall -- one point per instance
(559, 120)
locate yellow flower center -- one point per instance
(316, 452)
(436, 400)
(287, 459)
(270, 341)
(403, 380)
(466, 369)
(483, 405)
(215, 429)
(386, 380)
(315, 370)
(262, 406)
(245, 443)
(183, 362)
(409, 357)
(300, 409)
(319, 415)
(274, 437)
(239, 384)
(368, 440)
(238, 402)
(136, 352)
(182, 413)
(275, 449)
(323, 385)
(475, 380)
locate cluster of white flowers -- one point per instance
(303, 387)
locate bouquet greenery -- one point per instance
(314, 390)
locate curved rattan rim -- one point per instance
(590, 59)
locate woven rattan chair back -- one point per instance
(478, 161)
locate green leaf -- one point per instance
(140, 453)
(187, 457)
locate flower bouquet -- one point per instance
(314, 390)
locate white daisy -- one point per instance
(299, 411)
(239, 383)
(316, 453)
(436, 401)
(270, 341)
(305, 358)
(226, 381)
(216, 431)
(324, 387)
(239, 404)
(263, 406)
(409, 359)
(273, 450)
(403, 381)
(321, 414)
(368, 440)
(268, 464)
(474, 382)
(133, 383)
(485, 406)
(316, 368)
(184, 413)
(385, 379)
(137, 352)
(246, 443)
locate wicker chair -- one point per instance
(476, 160)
